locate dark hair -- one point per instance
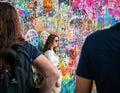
(10, 28)
(49, 42)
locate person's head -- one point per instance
(51, 42)
(10, 29)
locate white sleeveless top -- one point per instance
(51, 55)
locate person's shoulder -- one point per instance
(48, 51)
(97, 35)
(29, 46)
(32, 50)
(102, 34)
(26, 43)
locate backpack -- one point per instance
(19, 79)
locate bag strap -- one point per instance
(22, 49)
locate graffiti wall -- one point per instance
(72, 20)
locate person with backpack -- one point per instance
(14, 49)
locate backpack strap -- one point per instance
(9, 50)
(21, 48)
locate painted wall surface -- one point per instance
(72, 20)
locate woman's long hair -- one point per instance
(10, 29)
(49, 42)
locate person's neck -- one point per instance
(52, 48)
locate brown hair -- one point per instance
(49, 42)
(10, 29)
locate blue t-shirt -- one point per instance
(100, 60)
(32, 50)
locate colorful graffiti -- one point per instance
(72, 20)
